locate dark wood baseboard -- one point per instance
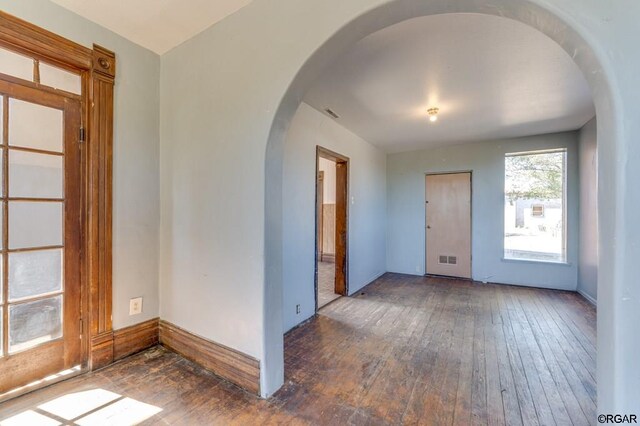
(237, 367)
(101, 350)
(129, 340)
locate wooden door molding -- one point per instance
(99, 173)
(319, 214)
(342, 228)
(39, 43)
(97, 68)
(341, 221)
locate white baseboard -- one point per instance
(351, 293)
(590, 299)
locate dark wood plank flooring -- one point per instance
(406, 350)
(326, 283)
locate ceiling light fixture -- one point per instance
(433, 114)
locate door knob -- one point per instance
(428, 227)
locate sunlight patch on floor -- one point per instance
(91, 407)
(75, 405)
(126, 411)
(30, 417)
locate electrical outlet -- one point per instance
(297, 309)
(135, 306)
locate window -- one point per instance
(534, 206)
(30, 69)
(537, 210)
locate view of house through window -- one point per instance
(534, 208)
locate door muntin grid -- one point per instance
(32, 216)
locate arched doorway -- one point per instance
(555, 27)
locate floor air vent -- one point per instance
(447, 260)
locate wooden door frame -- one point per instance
(97, 68)
(319, 213)
(342, 213)
(470, 217)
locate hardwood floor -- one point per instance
(406, 350)
(326, 283)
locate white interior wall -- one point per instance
(588, 255)
(367, 212)
(406, 209)
(222, 266)
(231, 94)
(136, 217)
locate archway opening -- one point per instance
(542, 20)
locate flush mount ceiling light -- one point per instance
(433, 114)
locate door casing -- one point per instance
(341, 223)
(97, 69)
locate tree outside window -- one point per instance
(534, 227)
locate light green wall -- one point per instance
(588, 264)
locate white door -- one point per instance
(448, 220)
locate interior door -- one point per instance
(341, 238)
(40, 241)
(448, 224)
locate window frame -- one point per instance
(540, 207)
(565, 226)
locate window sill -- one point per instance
(537, 262)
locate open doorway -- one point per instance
(332, 174)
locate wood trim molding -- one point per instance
(104, 62)
(99, 157)
(129, 340)
(37, 42)
(97, 68)
(330, 155)
(237, 367)
(101, 350)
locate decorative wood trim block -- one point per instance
(237, 367)
(104, 61)
(101, 350)
(136, 338)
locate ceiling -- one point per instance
(158, 25)
(491, 77)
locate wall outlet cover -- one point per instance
(135, 306)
